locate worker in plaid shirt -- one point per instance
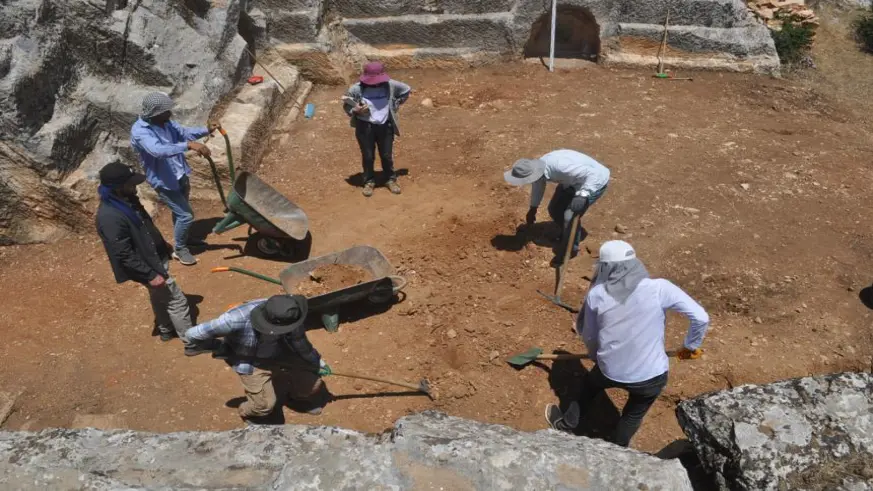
(265, 342)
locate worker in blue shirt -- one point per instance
(161, 144)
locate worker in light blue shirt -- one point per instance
(622, 325)
(161, 144)
(580, 180)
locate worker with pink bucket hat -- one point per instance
(372, 104)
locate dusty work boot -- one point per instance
(368, 189)
(314, 405)
(555, 418)
(393, 187)
(167, 336)
(196, 350)
(185, 257)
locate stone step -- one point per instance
(248, 119)
(294, 26)
(741, 41)
(703, 13)
(490, 32)
(353, 9)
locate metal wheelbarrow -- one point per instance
(381, 288)
(277, 226)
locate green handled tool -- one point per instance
(536, 354)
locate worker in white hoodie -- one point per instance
(622, 324)
(581, 181)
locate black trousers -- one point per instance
(641, 396)
(559, 210)
(370, 136)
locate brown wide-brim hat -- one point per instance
(280, 314)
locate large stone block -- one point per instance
(385, 8)
(473, 455)
(741, 42)
(425, 451)
(247, 118)
(811, 433)
(487, 32)
(298, 26)
(71, 71)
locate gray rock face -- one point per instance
(812, 433)
(740, 41)
(386, 8)
(72, 77)
(488, 32)
(425, 451)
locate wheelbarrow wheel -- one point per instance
(260, 245)
(297, 250)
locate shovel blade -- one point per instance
(523, 359)
(424, 387)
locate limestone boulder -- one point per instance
(424, 451)
(813, 433)
(72, 77)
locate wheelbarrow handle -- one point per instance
(229, 155)
(269, 279)
(399, 282)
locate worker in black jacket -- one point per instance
(137, 250)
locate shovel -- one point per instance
(535, 354)
(559, 281)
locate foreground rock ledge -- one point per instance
(813, 433)
(424, 451)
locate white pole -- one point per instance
(552, 47)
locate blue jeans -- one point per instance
(183, 214)
(559, 210)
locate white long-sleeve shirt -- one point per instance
(628, 339)
(573, 169)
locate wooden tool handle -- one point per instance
(414, 387)
(564, 356)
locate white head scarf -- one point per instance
(619, 270)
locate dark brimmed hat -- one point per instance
(116, 174)
(374, 74)
(280, 314)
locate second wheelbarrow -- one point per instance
(277, 226)
(380, 288)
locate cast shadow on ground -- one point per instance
(200, 231)
(377, 395)
(357, 179)
(565, 378)
(193, 306)
(866, 297)
(682, 449)
(355, 311)
(542, 234)
(201, 228)
(301, 252)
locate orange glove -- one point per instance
(687, 354)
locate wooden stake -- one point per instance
(663, 48)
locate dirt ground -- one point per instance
(748, 192)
